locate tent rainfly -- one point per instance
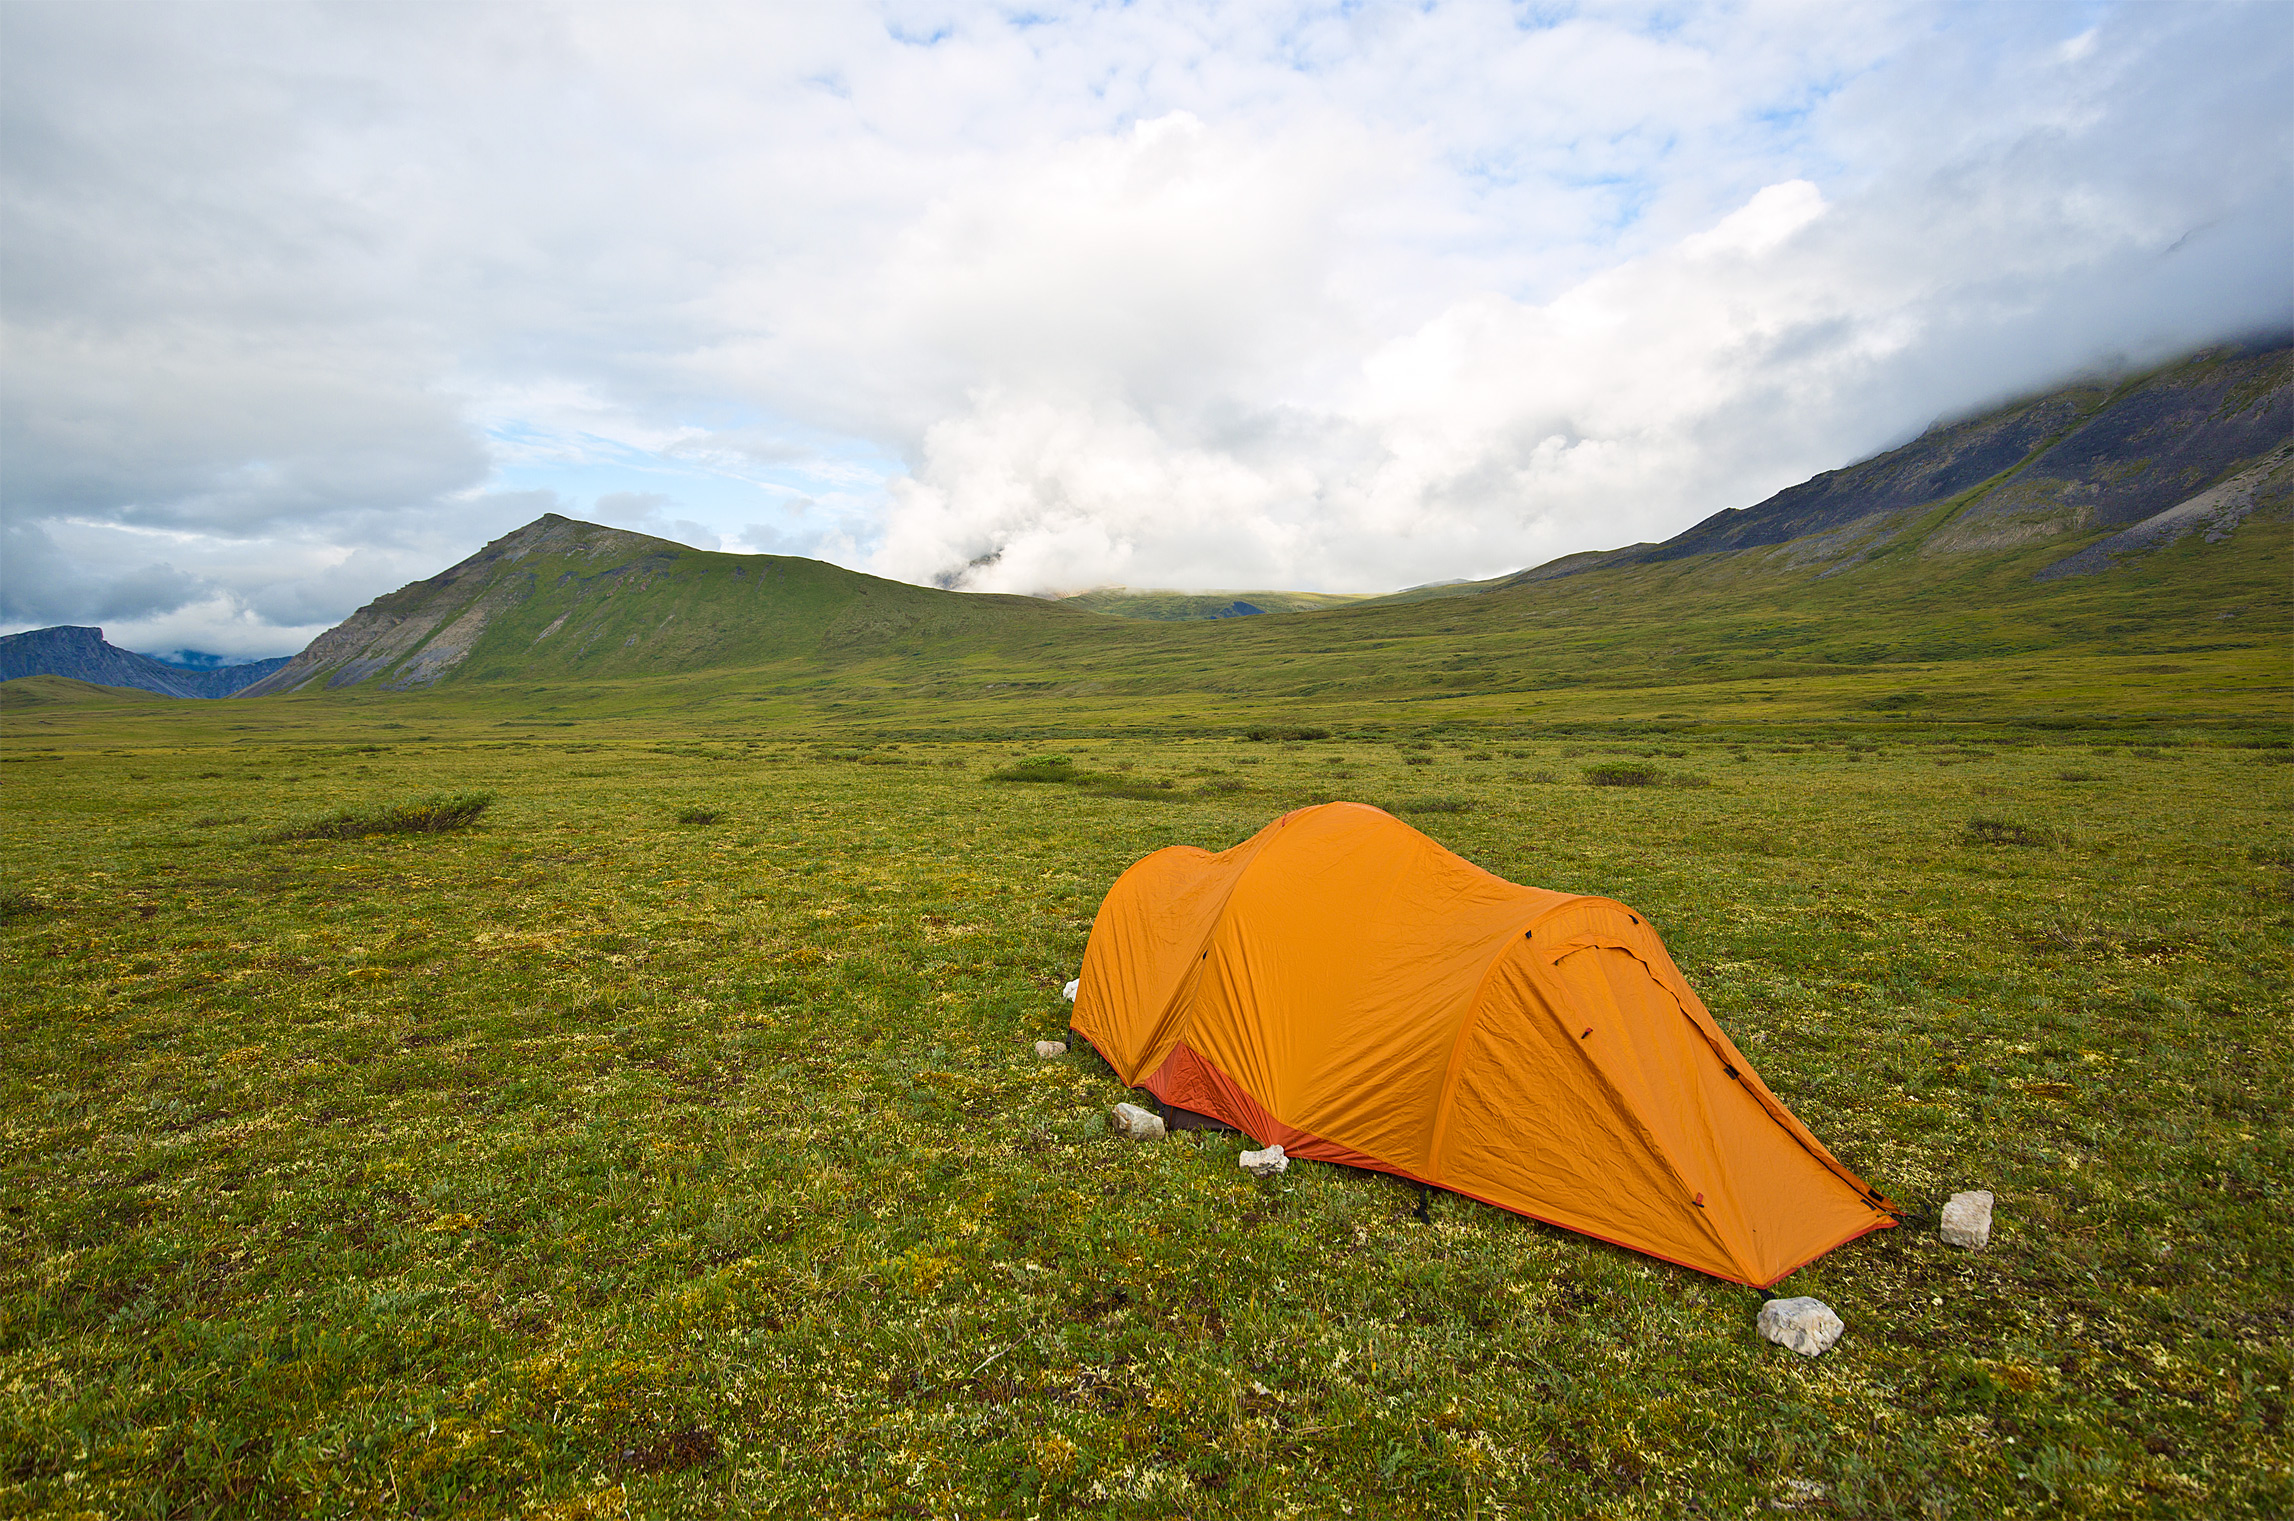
(1341, 985)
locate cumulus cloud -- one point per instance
(307, 302)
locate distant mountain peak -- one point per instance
(83, 654)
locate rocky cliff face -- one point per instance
(84, 655)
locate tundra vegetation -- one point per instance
(576, 1160)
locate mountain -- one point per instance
(2089, 456)
(560, 598)
(202, 660)
(84, 655)
(2150, 517)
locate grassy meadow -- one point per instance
(668, 1141)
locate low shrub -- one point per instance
(439, 814)
(1265, 732)
(2004, 832)
(2078, 776)
(1041, 768)
(1621, 774)
(1684, 779)
(1061, 770)
(692, 815)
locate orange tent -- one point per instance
(1343, 986)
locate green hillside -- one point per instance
(2048, 584)
(1170, 606)
(565, 600)
(65, 691)
(1974, 635)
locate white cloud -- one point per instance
(1169, 293)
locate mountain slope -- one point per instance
(84, 655)
(560, 598)
(1861, 584)
(47, 691)
(2087, 457)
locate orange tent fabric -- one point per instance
(1342, 985)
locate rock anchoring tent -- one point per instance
(1343, 986)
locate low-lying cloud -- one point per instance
(304, 303)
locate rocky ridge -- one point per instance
(85, 655)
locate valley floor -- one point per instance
(671, 1143)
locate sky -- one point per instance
(300, 303)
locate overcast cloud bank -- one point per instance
(301, 303)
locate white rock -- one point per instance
(1047, 1049)
(1264, 1164)
(1807, 1326)
(1137, 1123)
(1069, 991)
(1967, 1219)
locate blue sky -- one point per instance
(305, 302)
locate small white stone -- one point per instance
(1807, 1326)
(1047, 1049)
(1068, 992)
(1136, 1123)
(1967, 1219)
(1263, 1164)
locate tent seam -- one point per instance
(1767, 1103)
(1194, 976)
(1632, 1111)
(1468, 1025)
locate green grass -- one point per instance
(582, 1163)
